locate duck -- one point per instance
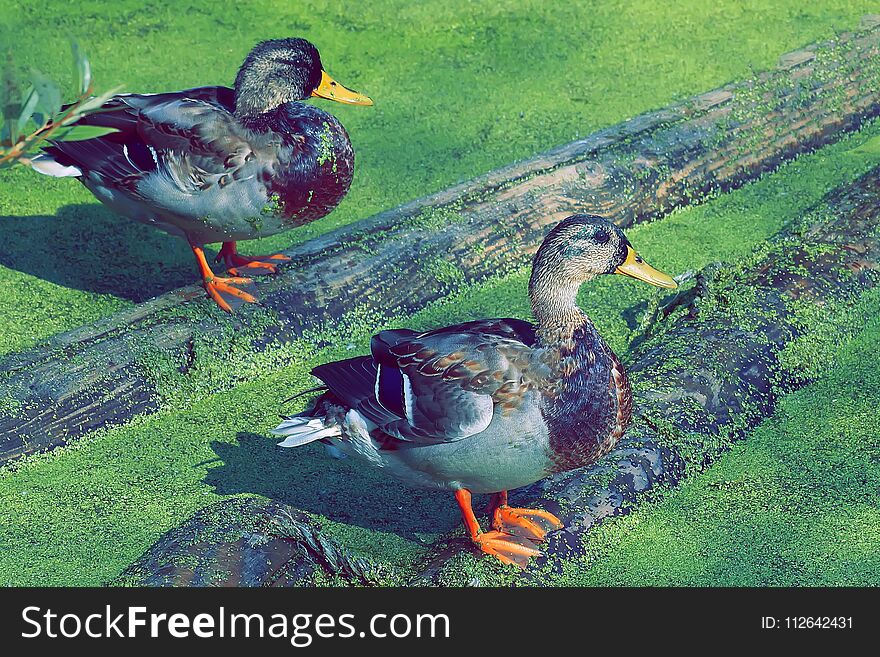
(218, 164)
(490, 405)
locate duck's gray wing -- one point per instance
(452, 383)
(440, 386)
(170, 148)
(128, 154)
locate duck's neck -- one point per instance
(250, 108)
(554, 305)
(257, 93)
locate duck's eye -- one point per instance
(601, 237)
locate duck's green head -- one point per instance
(585, 245)
(285, 70)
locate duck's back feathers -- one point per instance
(183, 161)
(439, 386)
(167, 145)
(128, 151)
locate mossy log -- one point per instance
(713, 368)
(246, 542)
(400, 260)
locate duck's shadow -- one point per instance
(86, 247)
(343, 490)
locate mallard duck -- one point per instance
(214, 164)
(490, 405)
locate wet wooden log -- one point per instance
(709, 374)
(402, 259)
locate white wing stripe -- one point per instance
(125, 152)
(376, 387)
(408, 399)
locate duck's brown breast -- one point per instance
(590, 408)
(620, 388)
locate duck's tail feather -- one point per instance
(303, 430)
(304, 392)
(48, 166)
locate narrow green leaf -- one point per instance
(9, 133)
(27, 109)
(94, 103)
(82, 132)
(50, 95)
(11, 100)
(5, 135)
(83, 69)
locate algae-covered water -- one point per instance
(537, 74)
(82, 513)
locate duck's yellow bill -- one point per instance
(637, 268)
(332, 90)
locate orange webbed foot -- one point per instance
(504, 545)
(222, 289)
(253, 264)
(509, 549)
(528, 523)
(225, 294)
